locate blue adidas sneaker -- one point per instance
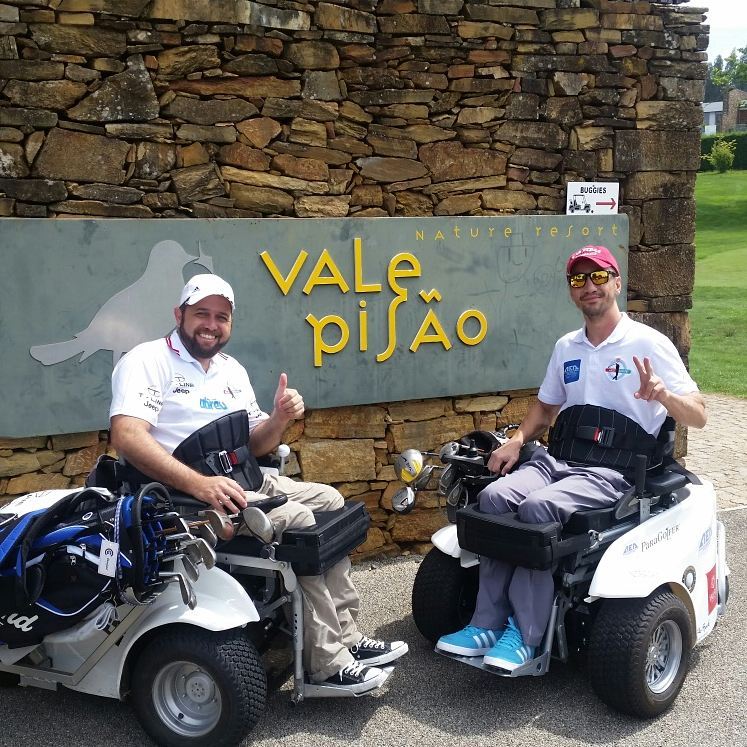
(510, 652)
(470, 641)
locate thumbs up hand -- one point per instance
(288, 403)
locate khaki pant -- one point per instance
(330, 600)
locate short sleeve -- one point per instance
(137, 387)
(552, 391)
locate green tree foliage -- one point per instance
(722, 153)
(731, 72)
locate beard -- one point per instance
(198, 348)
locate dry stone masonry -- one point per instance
(235, 108)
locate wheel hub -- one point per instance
(663, 656)
(187, 699)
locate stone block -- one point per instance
(646, 185)
(669, 115)
(337, 18)
(514, 411)
(206, 133)
(508, 199)
(20, 463)
(321, 85)
(262, 179)
(346, 422)
(248, 87)
(412, 24)
(669, 221)
(480, 404)
(459, 205)
(657, 150)
(451, 160)
(391, 169)
(669, 271)
(96, 42)
(259, 132)
(429, 435)
(311, 169)
(34, 190)
(52, 94)
(532, 135)
(239, 155)
(337, 460)
(564, 19)
(180, 61)
(130, 8)
(263, 200)
(210, 112)
(337, 206)
(31, 70)
(197, 183)
(35, 482)
(313, 55)
(124, 97)
(104, 161)
(418, 526)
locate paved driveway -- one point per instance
(431, 702)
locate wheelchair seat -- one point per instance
(540, 546)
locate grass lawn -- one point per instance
(718, 358)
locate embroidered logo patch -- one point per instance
(571, 371)
(617, 369)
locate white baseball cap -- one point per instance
(202, 286)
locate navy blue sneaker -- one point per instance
(470, 641)
(510, 652)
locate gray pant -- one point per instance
(541, 490)
(330, 600)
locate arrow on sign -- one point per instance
(611, 203)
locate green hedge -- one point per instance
(740, 157)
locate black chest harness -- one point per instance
(597, 437)
(221, 448)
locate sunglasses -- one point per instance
(598, 277)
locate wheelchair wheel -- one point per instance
(443, 595)
(639, 653)
(198, 688)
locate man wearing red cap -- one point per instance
(614, 367)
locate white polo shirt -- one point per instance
(580, 374)
(161, 383)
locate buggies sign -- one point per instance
(355, 310)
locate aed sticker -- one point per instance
(571, 371)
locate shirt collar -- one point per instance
(617, 333)
(176, 346)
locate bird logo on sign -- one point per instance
(142, 311)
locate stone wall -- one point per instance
(232, 108)
(732, 99)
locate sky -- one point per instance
(728, 22)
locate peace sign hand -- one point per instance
(652, 388)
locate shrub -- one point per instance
(722, 153)
(740, 154)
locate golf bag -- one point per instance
(64, 553)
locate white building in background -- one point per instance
(712, 113)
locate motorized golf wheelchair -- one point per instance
(637, 585)
(184, 642)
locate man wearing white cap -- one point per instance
(610, 384)
(165, 390)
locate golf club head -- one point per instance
(219, 523)
(448, 476)
(205, 532)
(258, 524)
(190, 568)
(403, 501)
(448, 450)
(423, 478)
(455, 493)
(187, 592)
(408, 465)
(200, 551)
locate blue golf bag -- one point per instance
(64, 553)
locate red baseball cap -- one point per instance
(599, 255)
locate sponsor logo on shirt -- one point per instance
(151, 398)
(212, 404)
(617, 369)
(232, 391)
(571, 371)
